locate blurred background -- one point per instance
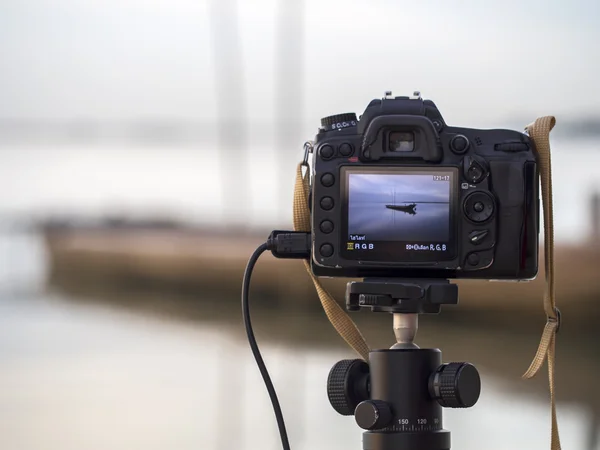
(147, 147)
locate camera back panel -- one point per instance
(401, 194)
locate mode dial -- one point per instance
(455, 385)
(339, 121)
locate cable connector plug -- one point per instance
(289, 244)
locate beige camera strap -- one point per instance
(539, 132)
(339, 318)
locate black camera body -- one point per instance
(399, 193)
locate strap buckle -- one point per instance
(556, 319)
(308, 148)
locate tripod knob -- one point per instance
(373, 414)
(348, 385)
(455, 385)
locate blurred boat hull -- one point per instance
(197, 261)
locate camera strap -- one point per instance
(539, 132)
(339, 318)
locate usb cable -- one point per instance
(282, 244)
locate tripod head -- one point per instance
(400, 296)
(405, 299)
(398, 395)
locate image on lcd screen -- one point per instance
(399, 207)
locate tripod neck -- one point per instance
(405, 330)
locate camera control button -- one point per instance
(476, 236)
(327, 179)
(326, 250)
(479, 207)
(474, 169)
(327, 152)
(326, 226)
(459, 144)
(327, 203)
(346, 149)
(473, 259)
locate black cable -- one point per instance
(255, 351)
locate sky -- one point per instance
(481, 62)
(484, 64)
(369, 188)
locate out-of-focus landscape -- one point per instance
(147, 148)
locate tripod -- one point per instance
(399, 394)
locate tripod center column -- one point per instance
(405, 330)
(400, 378)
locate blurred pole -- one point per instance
(289, 102)
(230, 393)
(231, 112)
(592, 442)
(289, 109)
(595, 217)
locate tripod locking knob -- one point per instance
(455, 385)
(373, 414)
(348, 385)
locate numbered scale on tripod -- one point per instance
(404, 425)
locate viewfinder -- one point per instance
(402, 141)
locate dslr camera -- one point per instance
(399, 193)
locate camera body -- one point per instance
(399, 193)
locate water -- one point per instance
(424, 223)
(92, 371)
(81, 370)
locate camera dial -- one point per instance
(475, 168)
(339, 121)
(479, 206)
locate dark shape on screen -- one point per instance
(409, 209)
